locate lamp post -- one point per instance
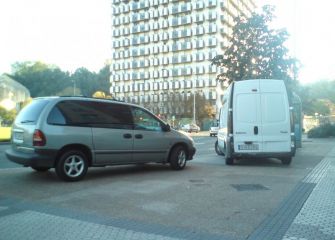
(74, 87)
(194, 100)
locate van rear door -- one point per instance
(275, 116)
(247, 117)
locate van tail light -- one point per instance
(39, 138)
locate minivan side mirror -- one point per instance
(166, 127)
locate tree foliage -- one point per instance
(48, 80)
(256, 51)
(7, 117)
(317, 97)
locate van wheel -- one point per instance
(40, 169)
(178, 158)
(286, 160)
(217, 149)
(72, 166)
(229, 161)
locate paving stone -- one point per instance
(316, 219)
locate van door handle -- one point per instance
(255, 130)
(283, 131)
(138, 136)
(127, 135)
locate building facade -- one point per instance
(161, 49)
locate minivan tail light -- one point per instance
(38, 138)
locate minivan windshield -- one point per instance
(30, 113)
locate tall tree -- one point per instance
(256, 51)
(41, 79)
(46, 80)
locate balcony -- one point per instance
(198, 18)
(175, 34)
(174, 10)
(186, 20)
(174, 22)
(211, 16)
(211, 3)
(199, 5)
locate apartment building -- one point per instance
(161, 49)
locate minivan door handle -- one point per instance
(139, 136)
(255, 130)
(127, 135)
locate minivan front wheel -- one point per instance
(178, 158)
(72, 165)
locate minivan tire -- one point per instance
(72, 165)
(178, 158)
(40, 169)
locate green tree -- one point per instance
(41, 79)
(317, 97)
(204, 108)
(256, 51)
(48, 80)
(90, 82)
(7, 117)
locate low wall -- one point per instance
(5, 133)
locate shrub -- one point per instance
(322, 131)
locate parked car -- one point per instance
(71, 134)
(213, 130)
(191, 128)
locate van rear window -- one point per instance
(30, 113)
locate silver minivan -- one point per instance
(71, 134)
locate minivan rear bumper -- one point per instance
(39, 158)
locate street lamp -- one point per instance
(74, 87)
(194, 100)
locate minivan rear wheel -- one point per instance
(178, 158)
(72, 165)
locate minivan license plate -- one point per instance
(248, 147)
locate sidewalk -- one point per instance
(316, 220)
(308, 213)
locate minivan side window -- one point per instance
(145, 121)
(91, 113)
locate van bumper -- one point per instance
(263, 155)
(39, 158)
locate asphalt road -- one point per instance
(206, 197)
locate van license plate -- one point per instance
(248, 147)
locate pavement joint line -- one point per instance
(18, 206)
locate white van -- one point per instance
(256, 121)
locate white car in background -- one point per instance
(191, 128)
(213, 131)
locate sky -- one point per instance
(77, 33)
(67, 33)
